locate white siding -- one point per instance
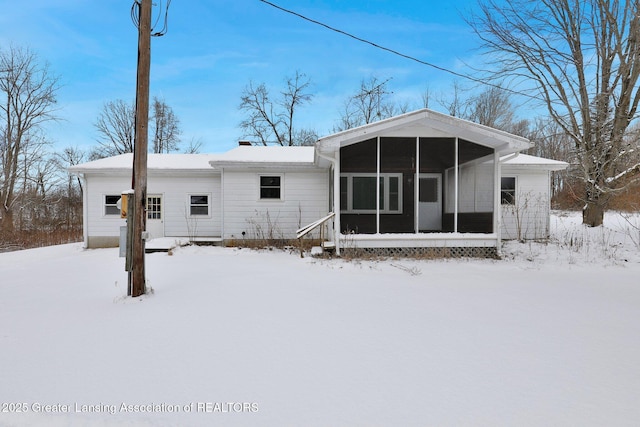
(304, 199)
(175, 191)
(529, 217)
(99, 224)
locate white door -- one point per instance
(430, 202)
(155, 216)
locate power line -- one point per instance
(395, 52)
(135, 17)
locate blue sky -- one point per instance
(214, 48)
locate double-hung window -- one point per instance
(508, 190)
(198, 205)
(358, 193)
(111, 204)
(271, 187)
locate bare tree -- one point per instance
(195, 145)
(28, 92)
(582, 58)
(70, 156)
(552, 142)
(72, 193)
(273, 121)
(425, 97)
(453, 101)
(116, 129)
(166, 127)
(371, 103)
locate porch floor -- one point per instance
(419, 240)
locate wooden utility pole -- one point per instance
(140, 148)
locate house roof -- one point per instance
(243, 156)
(427, 123)
(155, 162)
(265, 156)
(528, 161)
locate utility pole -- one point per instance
(140, 148)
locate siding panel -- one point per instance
(175, 191)
(529, 217)
(304, 200)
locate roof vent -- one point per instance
(244, 143)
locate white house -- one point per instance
(416, 182)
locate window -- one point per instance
(154, 207)
(111, 205)
(198, 204)
(429, 190)
(508, 191)
(363, 194)
(270, 187)
(358, 193)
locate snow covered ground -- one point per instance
(550, 335)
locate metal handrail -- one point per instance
(315, 224)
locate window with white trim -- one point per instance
(271, 187)
(198, 205)
(508, 190)
(111, 204)
(358, 193)
(154, 207)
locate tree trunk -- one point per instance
(593, 213)
(7, 221)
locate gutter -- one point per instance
(509, 157)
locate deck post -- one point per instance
(336, 201)
(416, 195)
(497, 202)
(378, 185)
(456, 165)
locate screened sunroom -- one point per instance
(422, 179)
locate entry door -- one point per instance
(155, 216)
(430, 202)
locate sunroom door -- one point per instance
(430, 202)
(155, 216)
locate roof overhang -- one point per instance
(157, 164)
(525, 161)
(426, 123)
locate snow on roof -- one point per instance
(265, 155)
(248, 156)
(533, 161)
(154, 162)
(239, 156)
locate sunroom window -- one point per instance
(358, 193)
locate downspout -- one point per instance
(497, 205)
(85, 210)
(222, 205)
(335, 162)
(547, 232)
